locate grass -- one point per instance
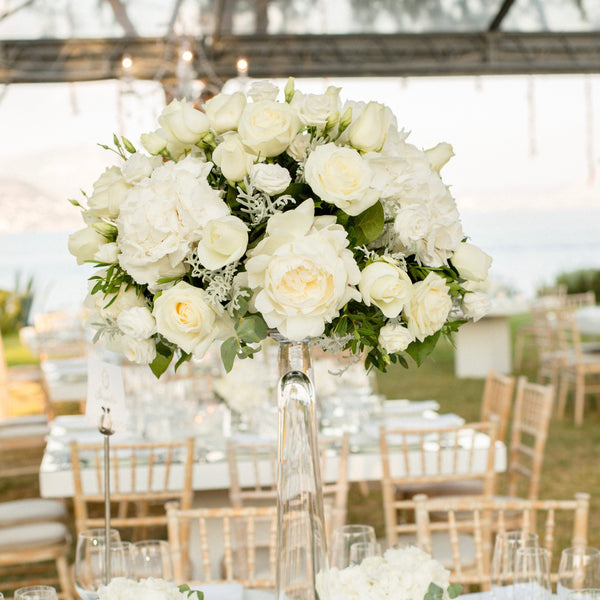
(15, 352)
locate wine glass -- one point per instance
(35, 592)
(502, 569)
(344, 538)
(90, 561)
(152, 558)
(584, 594)
(532, 574)
(579, 568)
(361, 550)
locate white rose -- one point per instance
(224, 111)
(299, 146)
(263, 90)
(439, 155)
(139, 166)
(395, 338)
(223, 241)
(137, 322)
(471, 262)
(386, 286)
(107, 253)
(302, 272)
(154, 142)
(315, 109)
(142, 352)
(270, 178)
(412, 224)
(184, 317)
(184, 123)
(437, 248)
(340, 176)
(231, 157)
(368, 132)
(268, 128)
(109, 192)
(476, 305)
(429, 307)
(85, 243)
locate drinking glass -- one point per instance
(35, 592)
(502, 569)
(152, 558)
(532, 574)
(584, 594)
(344, 538)
(90, 561)
(579, 568)
(361, 550)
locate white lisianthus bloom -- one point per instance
(429, 307)
(267, 128)
(139, 351)
(224, 241)
(224, 111)
(263, 90)
(471, 262)
(412, 224)
(302, 273)
(368, 131)
(154, 142)
(315, 109)
(475, 304)
(163, 216)
(107, 253)
(270, 178)
(340, 176)
(299, 147)
(110, 190)
(437, 248)
(395, 338)
(184, 317)
(137, 322)
(439, 155)
(85, 243)
(139, 166)
(386, 286)
(184, 123)
(231, 157)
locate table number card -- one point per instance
(105, 391)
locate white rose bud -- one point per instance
(476, 305)
(439, 155)
(139, 166)
(141, 352)
(154, 142)
(386, 286)
(224, 111)
(107, 253)
(232, 158)
(471, 262)
(110, 190)
(270, 178)
(395, 338)
(299, 146)
(369, 131)
(184, 123)
(137, 322)
(85, 243)
(263, 90)
(224, 241)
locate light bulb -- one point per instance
(242, 65)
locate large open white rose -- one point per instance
(302, 273)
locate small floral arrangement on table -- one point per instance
(152, 588)
(302, 214)
(400, 574)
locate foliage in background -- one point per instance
(583, 280)
(15, 306)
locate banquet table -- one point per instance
(588, 320)
(210, 471)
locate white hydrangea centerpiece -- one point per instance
(277, 210)
(152, 588)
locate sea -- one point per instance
(529, 249)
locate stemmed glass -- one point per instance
(579, 568)
(502, 570)
(35, 592)
(152, 558)
(344, 538)
(90, 561)
(532, 574)
(361, 550)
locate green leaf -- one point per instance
(161, 363)
(369, 224)
(185, 356)
(229, 350)
(454, 590)
(434, 592)
(419, 351)
(252, 329)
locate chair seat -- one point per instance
(24, 420)
(32, 535)
(30, 510)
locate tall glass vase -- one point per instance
(301, 543)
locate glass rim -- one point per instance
(354, 527)
(97, 532)
(582, 549)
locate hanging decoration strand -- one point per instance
(589, 129)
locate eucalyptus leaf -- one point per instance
(369, 224)
(229, 350)
(434, 592)
(252, 329)
(419, 351)
(161, 363)
(454, 590)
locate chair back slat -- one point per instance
(497, 399)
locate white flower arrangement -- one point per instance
(152, 588)
(304, 215)
(400, 574)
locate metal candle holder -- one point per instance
(106, 429)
